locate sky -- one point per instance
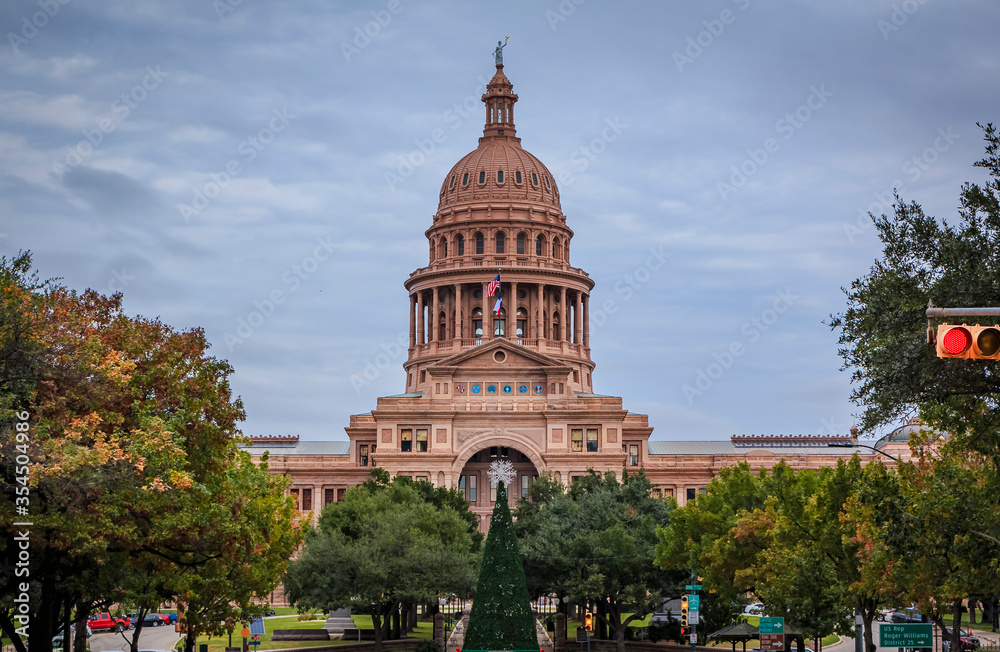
(265, 170)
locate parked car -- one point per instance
(969, 640)
(907, 615)
(154, 620)
(104, 621)
(270, 612)
(755, 609)
(171, 616)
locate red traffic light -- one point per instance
(968, 342)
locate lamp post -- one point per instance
(855, 445)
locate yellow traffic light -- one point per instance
(968, 342)
(684, 611)
(588, 621)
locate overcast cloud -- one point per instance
(266, 170)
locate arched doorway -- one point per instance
(478, 490)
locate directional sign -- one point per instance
(915, 635)
(771, 625)
(772, 642)
(693, 602)
(692, 587)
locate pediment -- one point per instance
(499, 354)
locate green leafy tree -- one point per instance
(883, 331)
(383, 545)
(596, 543)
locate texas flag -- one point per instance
(496, 308)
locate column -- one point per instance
(563, 317)
(512, 312)
(540, 328)
(487, 315)
(586, 321)
(435, 309)
(578, 319)
(420, 318)
(317, 503)
(457, 325)
(413, 320)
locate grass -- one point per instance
(424, 629)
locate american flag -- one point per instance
(494, 285)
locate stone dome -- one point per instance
(499, 170)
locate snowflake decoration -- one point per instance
(501, 471)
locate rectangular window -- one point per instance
(406, 440)
(577, 439)
(493, 491)
(525, 484)
(422, 440)
(340, 494)
(373, 455)
(422, 477)
(690, 494)
(295, 494)
(633, 454)
(591, 440)
(668, 493)
(473, 481)
(307, 500)
(363, 454)
(657, 493)
(328, 496)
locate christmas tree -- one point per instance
(501, 617)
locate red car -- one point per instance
(106, 622)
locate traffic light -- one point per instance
(684, 632)
(588, 621)
(968, 342)
(684, 611)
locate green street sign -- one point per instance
(692, 587)
(693, 602)
(902, 635)
(771, 625)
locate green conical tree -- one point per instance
(501, 617)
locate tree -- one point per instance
(883, 331)
(596, 542)
(134, 464)
(383, 545)
(501, 617)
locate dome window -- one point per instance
(482, 176)
(499, 176)
(465, 179)
(517, 177)
(500, 242)
(547, 186)
(539, 245)
(534, 179)
(460, 245)
(479, 243)
(452, 184)
(520, 243)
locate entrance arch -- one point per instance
(471, 479)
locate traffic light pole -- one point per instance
(933, 311)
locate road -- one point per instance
(151, 638)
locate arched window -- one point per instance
(520, 243)
(498, 323)
(477, 322)
(517, 177)
(499, 176)
(539, 245)
(555, 327)
(444, 247)
(522, 322)
(555, 248)
(500, 241)
(460, 245)
(482, 176)
(480, 243)
(442, 327)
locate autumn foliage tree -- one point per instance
(134, 461)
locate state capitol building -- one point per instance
(503, 370)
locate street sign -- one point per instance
(771, 625)
(245, 632)
(693, 603)
(772, 642)
(906, 635)
(692, 587)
